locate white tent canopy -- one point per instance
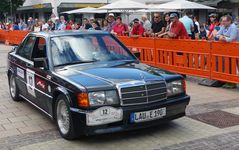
(90, 10)
(153, 8)
(182, 4)
(150, 10)
(125, 5)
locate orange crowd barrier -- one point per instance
(12, 37)
(225, 61)
(212, 60)
(15, 37)
(145, 46)
(181, 56)
(3, 35)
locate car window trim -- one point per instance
(22, 45)
(23, 59)
(25, 45)
(38, 36)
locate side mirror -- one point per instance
(14, 49)
(40, 63)
(137, 54)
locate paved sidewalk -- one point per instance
(23, 127)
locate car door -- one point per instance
(42, 85)
(22, 59)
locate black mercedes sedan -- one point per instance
(90, 83)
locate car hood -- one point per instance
(107, 75)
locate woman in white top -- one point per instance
(37, 27)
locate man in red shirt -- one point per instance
(69, 25)
(138, 29)
(177, 29)
(120, 28)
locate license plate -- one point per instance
(147, 115)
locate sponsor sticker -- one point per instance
(20, 73)
(41, 84)
(31, 82)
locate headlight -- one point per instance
(103, 98)
(175, 87)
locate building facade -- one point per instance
(42, 9)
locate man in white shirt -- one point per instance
(146, 24)
(45, 26)
(188, 23)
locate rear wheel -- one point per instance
(14, 91)
(63, 118)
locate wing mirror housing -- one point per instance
(41, 63)
(14, 49)
(137, 54)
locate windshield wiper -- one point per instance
(130, 61)
(76, 62)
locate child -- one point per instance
(203, 33)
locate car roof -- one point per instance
(65, 33)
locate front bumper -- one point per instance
(175, 109)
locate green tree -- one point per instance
(5, 6)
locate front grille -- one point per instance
(143, 92)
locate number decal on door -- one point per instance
(31, 82)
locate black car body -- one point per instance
(90, 83)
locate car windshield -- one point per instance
(75, 49)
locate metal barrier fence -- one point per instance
(212, 60)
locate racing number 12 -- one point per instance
(105, 111)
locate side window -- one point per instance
(25, 50)
(39, 50)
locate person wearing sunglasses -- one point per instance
(138, 29)
(158, 26)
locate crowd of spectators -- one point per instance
(167, 26)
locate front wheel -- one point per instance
(63, 118)
(14, 91)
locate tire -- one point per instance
(14, 91)
(63, 118)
